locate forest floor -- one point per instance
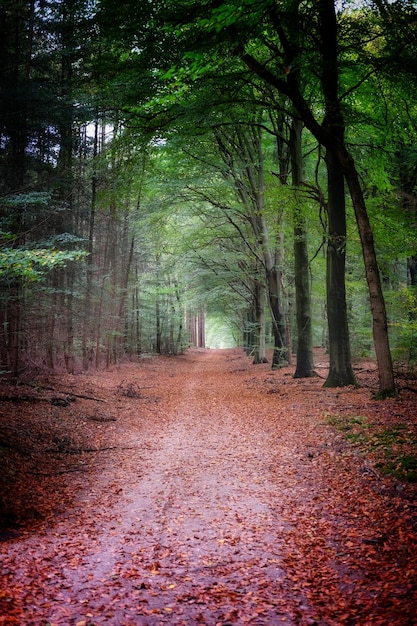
(201, 489)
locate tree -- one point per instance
(237, 28)
(305, 360)
(278, 50)
(240, 147)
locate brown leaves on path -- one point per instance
(218, 493)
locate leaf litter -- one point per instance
(204, 499)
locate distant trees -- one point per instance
(35, 217)
(69, 200)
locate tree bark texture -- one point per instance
(340, 368)
(259, 351)
(279, 358)
(376, 296)
(305, 361)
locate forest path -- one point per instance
(223, 499)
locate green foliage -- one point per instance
(176, 72)
(404, 467)
(23, 200)
(393, 449)
(30, 266)
(346, 423)
(359, 315)
(62, 240)
(18, 209)
(403, 325)
(6, 236)
(227, 14)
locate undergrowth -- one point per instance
(393, 450)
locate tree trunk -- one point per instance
(376, 296)
(69, 337)
(273, 285)
(305, 361)
(340, 368)
(13, 319)
(248, 334)
(247, 175)
(201, 328)
(279, 358)
(179, 342)
(86, 327)
(158, 330)
(412, 270)
(259, 349)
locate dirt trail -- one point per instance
(215, 506)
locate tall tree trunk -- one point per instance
(16, 24)
(178, 346)
(4, 354)
(273, 285)
(376, 296)
(340, 370)
(340, 367)
(279, 357)
(305, 361)
(341, 161)
(69, 335)
(64, 169)
(201, 317)
(99, 322)
(248, 330)
(259, 349)
(330, 134)
(158, 325)
(86, 324)
(243, 156)
(124, 280)
(13, 320)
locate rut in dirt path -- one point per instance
(221, 504)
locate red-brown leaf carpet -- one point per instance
(201, 489)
